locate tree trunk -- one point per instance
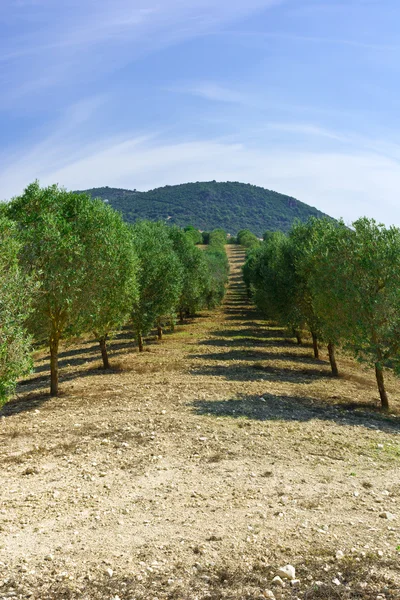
(332, 359)
(315, 345)
(381, 386)
(172, 324)
(104, 353)
(298, 337)
(159, 332)
(54, 366)
(181, 315)
(140, 342)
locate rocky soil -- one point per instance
(200, 469)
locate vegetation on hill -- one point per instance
(209, 205)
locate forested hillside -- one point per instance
(207, 205)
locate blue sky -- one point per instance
(299, 96)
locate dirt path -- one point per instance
(197, 469)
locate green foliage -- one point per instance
(61, 234)
(16, 291)
(194, 234)
(195, 272)
(247, 239)
(343, 284)
(208, 205)
(160, 276)
(205, 237)
(217, 238)
(218, 268)
(360, 270)
(112, 272)
(51, 227)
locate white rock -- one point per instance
(278, 581)
(287, 572)
(269, 594)
(295, 583)
(336, 581)
(110, 572)
(339, 554)
(387, 515)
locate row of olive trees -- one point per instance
(70, 265)
(341, 284)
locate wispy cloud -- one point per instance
(210, 90)
(89, 38)
(348, 183)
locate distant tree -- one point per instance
(195, 273)
(194, 234)
(160, 277)
(205, 236)
(217, 237)
(274, 281)
(247, 239)
(249, 269)
(218, 269)
(16, 291)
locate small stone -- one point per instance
(362, 585)
(278, 581)
(287, 572)
(30, 471)
(380, 446)
(387, 515)
(110, 572)
(336, 581)
(269, 594)
(339, 554)
(295, 583)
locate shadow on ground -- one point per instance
(256, 372)
(256, 354)
(296, 408)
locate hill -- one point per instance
(208, 205)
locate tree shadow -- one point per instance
(255, 354)
(249, 373)
(296, 408)
(79, 357)
(30, 399)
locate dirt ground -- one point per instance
(199, 468)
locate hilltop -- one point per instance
(210, 204)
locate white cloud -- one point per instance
(340, 184)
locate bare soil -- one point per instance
(198, 468)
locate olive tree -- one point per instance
(160, 277)
(111, 274)
(360, 271)
(195, 272)
(53, 227)
(16, 291)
